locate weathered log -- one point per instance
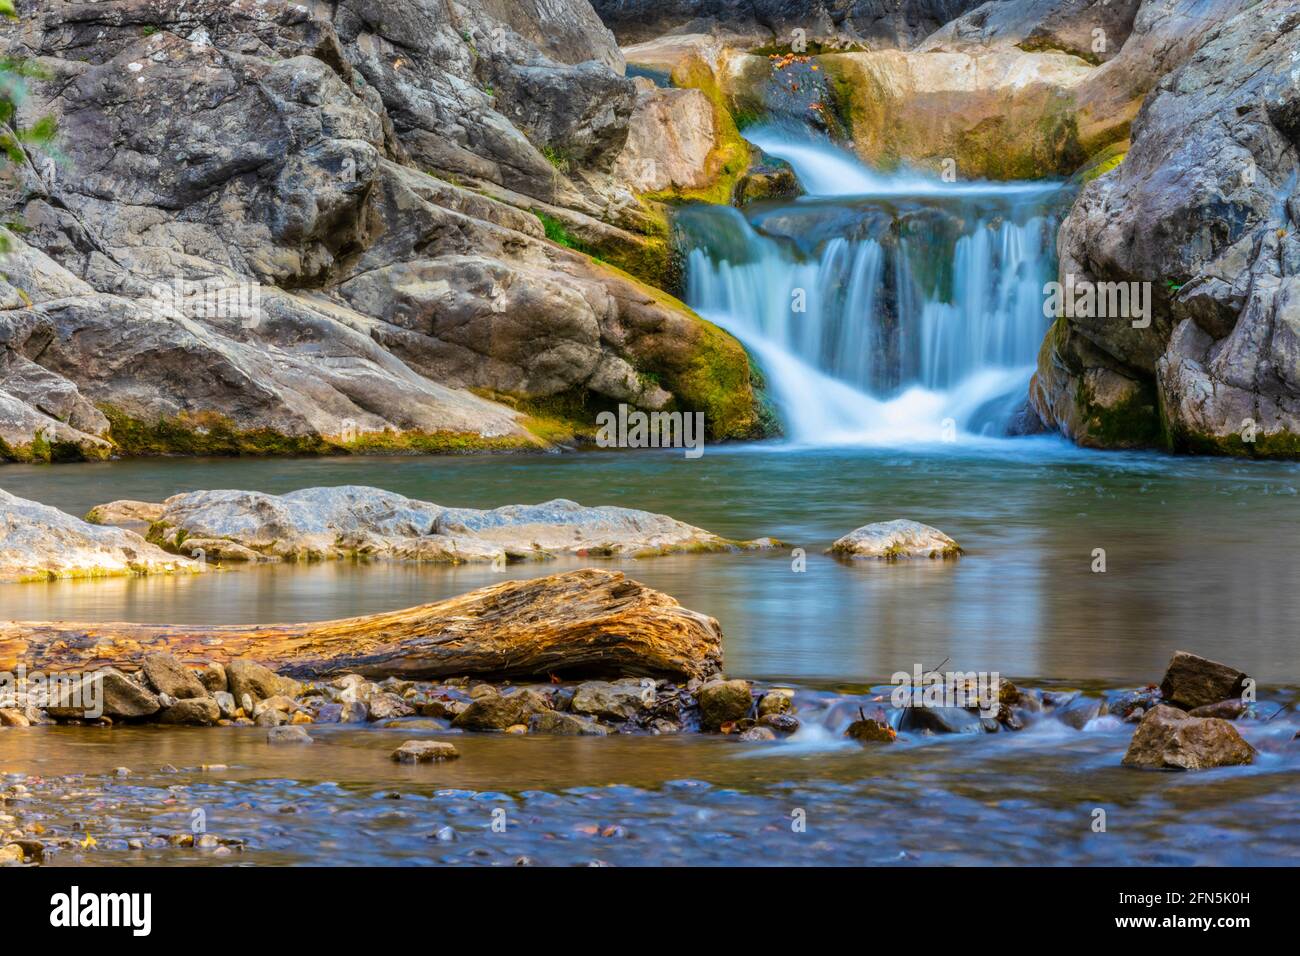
(577, 624)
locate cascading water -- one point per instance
(882, 308)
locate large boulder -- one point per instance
(1202, 210)
(1093, 30)
(169, 676)
(1168, 739)
(349, 520)
(192, 277)
(107, 692)
(38, 542)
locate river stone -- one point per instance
(895, 540)
(620, 700)
(1169, 739)
(871, 731)
(759, 733)
(778, 701)
(500, 711)
(250, 677)
(122, 698)
(1191, 681)
(291, 734)
(1079, 711)
(940, 720)
(11, 854)
(386, 706)
(225, 703)
(564, 725)
(424, 751)
(167, 675)
(192, 711)
(785, 723)
(724, 701)
(1231, 709)
(213, 677)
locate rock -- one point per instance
(291, 734)
(192, 712)
(724, 701)
(11, 854)
(784, 723)
(1068, 26)
(1191, 681)
(281, 703)
(1224, 709)
(225, 703)
(940, 720)
(213, 677)
(869, 730)
(1196, 213)
(617, 701)
(134, 516)
(39, 543)
(760, 183)
(108, 690)
(169, 676)
(269, 717)
(759, 733)
(564, 725)
(386, 706)
(9, 717)
(340, 522)
(1168, 739)
(425, 751)
(777, 701)
(670, 137)
(251, 678)
(1079, 711)
(895, 540)
(500, 712)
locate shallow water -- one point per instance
(1199, 556)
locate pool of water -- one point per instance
(1200, 554)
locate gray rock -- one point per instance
(169, 676)
(1168, 739)
(225, 704)
(192, 712)
(617, 701)
(1191, 681)
(385, 706)
(1079, 711)
(117, 695)
(213, 677)
(291, 734)
(40, 543)
(894, 541)
(759, 733)
(425, 751)
(1224, 709)
(724, 701)
(783, 723)
(564, 725)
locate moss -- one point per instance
(212, 434)
(730, 156)
(41, 449)
(1101, 163)
(1132, 423)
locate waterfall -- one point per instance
(882, 308)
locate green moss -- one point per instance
(1101, 163)
(1133, 423)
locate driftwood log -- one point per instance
(588, 623)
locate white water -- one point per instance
(955, 352)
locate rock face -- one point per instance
(670, 138)
(1001, 113)
(346, 521)
(895, 540)
(242, 250)
(1092, 30)
(1203, 209)
(39, 543)
(1192, 681)
(1168, 739)
(898, 23)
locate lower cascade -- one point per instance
(882, 308)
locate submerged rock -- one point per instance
(895, 540)
(425, 751)
(941, 720)
(1191, 681)
(869, 730)
(291, 734)
(38, 542)
(1168, 739)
